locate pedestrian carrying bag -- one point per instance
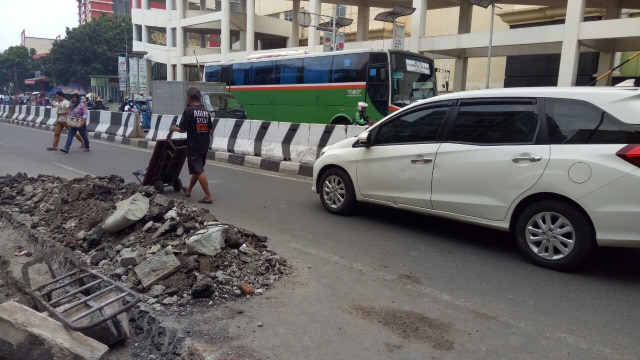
(75, 122)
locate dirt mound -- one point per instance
(71, 213)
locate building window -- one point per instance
(288, 15)
(274, 15)
(342, 10)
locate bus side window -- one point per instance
(349, 68)
(288, 71)
(212, 74)
(262, 73)
(225, 74)
(316, 69)
(241, 73)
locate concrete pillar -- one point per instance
(570, 46)
(170, 71)
(618, 56)
(135, 32)
(314, 34)
(145, 5)
(203, 4)
(607, 56)
(251, 26)
(170, 39)
(179, 71)
(418, 24)
(180, 8)
(225, 29)
(145, 34)
(462, 62)
(135, 4)
(180, 43)
(294, 40)
(364, 18)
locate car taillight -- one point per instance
(631, 154)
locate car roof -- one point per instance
(577, 92)
(618, 101)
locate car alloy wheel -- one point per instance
(550, 235)
(555, 235)
(336, 192)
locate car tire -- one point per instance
(336, 192)
(554, 235)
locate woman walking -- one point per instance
(77, 110)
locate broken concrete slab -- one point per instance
(156, 268)
(129, 257)
(208, 241)
(27, 334)
(129, 212)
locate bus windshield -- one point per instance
(413, 79)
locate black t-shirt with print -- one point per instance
(196, 121)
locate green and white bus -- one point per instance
(325, 88)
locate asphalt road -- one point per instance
(383, 284)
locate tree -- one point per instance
(90, 49)
(16, 64)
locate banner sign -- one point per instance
(122, 72)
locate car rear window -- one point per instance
(573, 121)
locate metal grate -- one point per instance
(80, 299)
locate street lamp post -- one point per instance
(485, 4)
(392, 16)
(333, 24)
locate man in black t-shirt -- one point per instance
(196, 122)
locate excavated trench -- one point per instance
(56, 218)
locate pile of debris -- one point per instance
(172, 253)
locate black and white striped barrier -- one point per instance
(4, 111)
(281, 141)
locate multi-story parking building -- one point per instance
(570, 41)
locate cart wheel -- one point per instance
(159, 186)
(177, 184)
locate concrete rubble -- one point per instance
(28, 334)
(176, 255)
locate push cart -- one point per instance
(165, 165)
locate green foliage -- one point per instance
(16, 64)
(90, 49)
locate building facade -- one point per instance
(458, 35)
(92, 9)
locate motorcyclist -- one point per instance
(99, 105)
(130, 107)
(361, 117)
(124, 104)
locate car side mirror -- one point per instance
(364, 139)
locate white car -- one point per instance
(559, 167)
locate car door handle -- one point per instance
(527, 157)
(421, 161)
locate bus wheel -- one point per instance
(341, 121)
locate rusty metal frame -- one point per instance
(80, 287)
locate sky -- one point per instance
(39, 18)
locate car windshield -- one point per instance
(220, 102)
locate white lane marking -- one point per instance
(72, 169)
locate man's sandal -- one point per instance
(51, 148)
